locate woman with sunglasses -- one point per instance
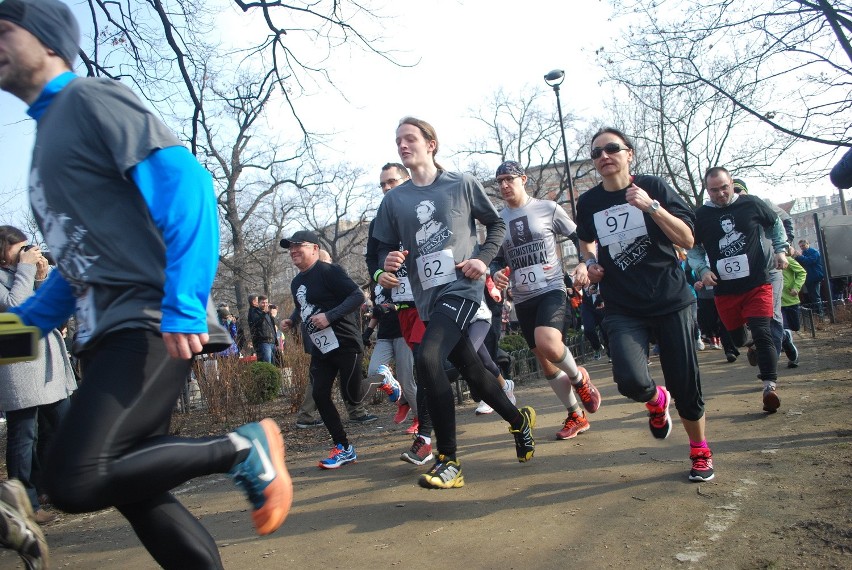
(628, 226)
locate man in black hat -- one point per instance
(109, 179)
(328, 301)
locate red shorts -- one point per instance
(411, 325)
(735, 309)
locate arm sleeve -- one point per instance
(778, 236)
(173, 183)
(697, 259)
(352, 301)
(52, 304)
(841, 174)
(799, 274)
(484, 212)
(372, 254)
(563, 222)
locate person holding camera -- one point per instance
(33, 394)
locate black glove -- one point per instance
(368, 332)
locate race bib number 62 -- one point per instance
(436, 268)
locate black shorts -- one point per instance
(547, 310)
(461, 311)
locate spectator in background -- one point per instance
(33, 394)
(229, 323)
(262, 328)
(794, 277)
(811, 260)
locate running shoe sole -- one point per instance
(771, 401)
(279, 493)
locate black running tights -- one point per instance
(112, 448)
(444, 340)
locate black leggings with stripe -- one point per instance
(112, 448)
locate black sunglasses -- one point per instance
(609, 148)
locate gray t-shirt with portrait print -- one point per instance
(529, 247)
(92, 215)
(437, 225)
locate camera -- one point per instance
(45, 254)
(18, 342)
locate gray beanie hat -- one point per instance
(51, 21)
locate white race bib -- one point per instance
(530, 278)
(734, 267)
(325, 340)
(622, 223)
(402, 292)
(436, 268)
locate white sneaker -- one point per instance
(483, 408)
(510, 391)
(700, 344)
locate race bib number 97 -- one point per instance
(622, 223)
(436, 268)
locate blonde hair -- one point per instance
(428, 132)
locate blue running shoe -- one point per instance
(263, 475)
(389, 385)
(339, 457)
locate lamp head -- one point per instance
(555, 77)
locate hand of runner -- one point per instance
(184, 346)
(781, 261)
(501, 278)
(709, 279)
(286, 324)
(635, 196)
(580, 276)
(394, 260)
(388, 280)
(472, 268)
(595, 273)
(320, 321)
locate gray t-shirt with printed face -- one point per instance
(436, 224)
(529, 247)
(91, 214)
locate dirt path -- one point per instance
(611, 498)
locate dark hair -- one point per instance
(9, 236)
(715, 171)
(728, 217)
(428, 132)
(613, 131)
(399, 167)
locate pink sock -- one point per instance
(660, 398)
(699, 445)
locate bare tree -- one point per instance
(339, 212)
(681, 131)
(784, 63)
(167, 47)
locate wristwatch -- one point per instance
(653, 207)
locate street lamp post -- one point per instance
(554, 79)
